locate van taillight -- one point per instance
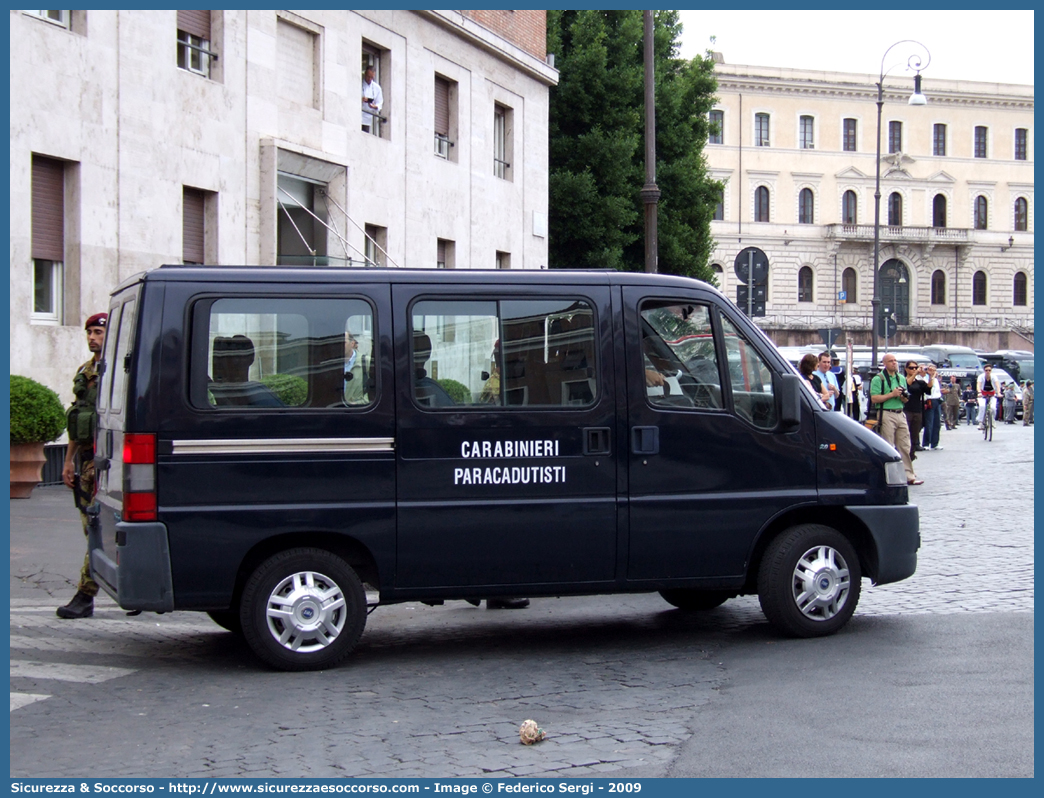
(139, 477)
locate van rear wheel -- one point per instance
(303, 609)
(695, 600)
(809, 581)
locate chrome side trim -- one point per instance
(284, 445)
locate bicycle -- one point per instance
(987, 421)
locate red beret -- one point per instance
(97, 320)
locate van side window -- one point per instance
(681, 366)
(123, 333)
(751, 380)
(105, 386)
(278, 353)
(511, 353)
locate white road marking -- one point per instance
(19, 700)
(84, 674)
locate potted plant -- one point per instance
(37, 417)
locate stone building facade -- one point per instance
(140, 138)
(796, 151)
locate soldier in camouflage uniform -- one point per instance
(78, 471)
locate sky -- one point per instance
(993, 46)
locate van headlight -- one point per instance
(895, 474)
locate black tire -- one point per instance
(227, 619)
(324, 614)
(692, 600)
(800, 556)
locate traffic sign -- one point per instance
(757, 303)
(842, 296)
(888, 328)
(758, 264)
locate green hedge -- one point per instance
(37, 415)
(291, 389)
(457, 391)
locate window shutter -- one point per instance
(195, 23)
(48, 209)
(192, 226)
(442, 88)
(296, 58)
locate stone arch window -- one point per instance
(849, 208)
(719, 275)
(805, 284)
(1018, 297)
(849, 284)
(979, 288)
(761, 204)
(939, 211)
(981, 212)
(895, 209)
(806, 207)
(938, 287)
(894, 282)
(1021, 215)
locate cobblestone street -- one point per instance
(620, 683)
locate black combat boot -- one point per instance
(81, 606)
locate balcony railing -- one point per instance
(850, 320)
(865, 232)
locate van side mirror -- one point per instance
(789, 402)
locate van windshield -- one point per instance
(961, 360)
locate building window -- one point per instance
(60, 18)
(193, 225)
(503, 260)
(719, 275)
(806, 212)
(503, 140)
(374, 121)
(297, 51)
(938, 287)
(761, 204)
(849, 283)
(981, 213)
(761, 130)
(194, 54)
(848, 137)
(48, 239)
(980, 141)
(895, 136)
(939, 211)
(376, 245)
(717, 127)
(445, 117)
(939, 140)
(805, 284)
(895, 209)
(979, 288)
(445, 254)
(1021, 215)
(1019, 290)
(806, 133)
(849, 213)
(719, 208)
(1021, 136)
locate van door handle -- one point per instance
(596, 440)
(645, 440)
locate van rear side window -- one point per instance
(278, 353)
(511, 353)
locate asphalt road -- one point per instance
(933, 676)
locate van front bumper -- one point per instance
(895, 530)
(140, 579)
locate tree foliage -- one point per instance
(597, 145)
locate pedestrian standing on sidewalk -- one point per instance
(78, 470)
(971, 404)
(888, 390)
(932, 411)
(914, 409)
(952, 402)
(1027, 403)
(1009, 403)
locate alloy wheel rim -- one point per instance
(306, 612)
(821, 583)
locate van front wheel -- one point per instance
(809, 581)
(303, 609)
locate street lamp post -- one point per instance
(912, 62)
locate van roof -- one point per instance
(311, 274)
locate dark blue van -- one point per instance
(282, 447)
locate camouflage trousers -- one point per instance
(83, 497)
